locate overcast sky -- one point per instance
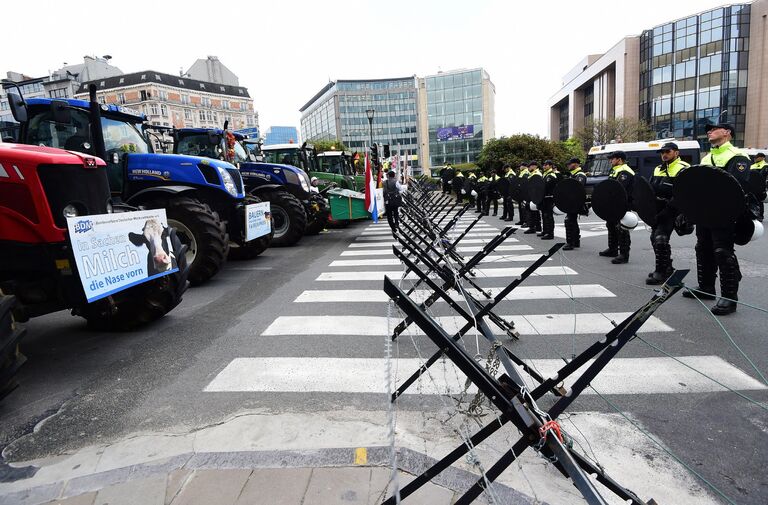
(286, 51)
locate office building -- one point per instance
(338, 111)
(281, 135)
(678, 77)
(456, 116)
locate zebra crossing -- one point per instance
(353, 285)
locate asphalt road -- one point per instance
(208, 359)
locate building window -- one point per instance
(163, 110)
(163, 95)
(202, 115)
(225, 104)
(154, 110)
(185, 99)
(101, 99)
(206, 102)
(121, 98)
(187, 114)
(144, 95)
(58, 93)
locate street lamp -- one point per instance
(370, 113)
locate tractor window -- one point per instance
(197, 145)
(241, 156)
(122, 137)
(331, 164)
(283, 157)
(42, 130)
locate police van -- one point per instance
(641, 157)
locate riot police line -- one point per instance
(721, 199)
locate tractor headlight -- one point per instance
(229, 183)
(304, 180)
(69, 211)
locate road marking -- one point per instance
(481, 272)
(361, 456)
(389, 232)
(528, 324)
(388, 252)
(394, 261)
(622, 376)
(560, 292)
(392, 242)
(371, 238)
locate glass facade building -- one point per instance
(693, 72)
(338, 111)
(455, 116)
(281, 135)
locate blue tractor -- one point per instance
(203, 198)
(296, 209)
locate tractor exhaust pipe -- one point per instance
(97, 134)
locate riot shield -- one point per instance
(536, 189)
(609, 201)
(709, 196)
(570, 196)
(644, 200)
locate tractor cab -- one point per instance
(336, 166)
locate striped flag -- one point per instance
(370, 190)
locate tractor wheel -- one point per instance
(202, 231)
(288, 218)
(10, 357)
(256, 246)
(141, 304)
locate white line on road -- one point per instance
(388, 252)
(520, 293)
(470, 234)
(481, 272)
(392, 242)
(531, 324)
(348, 375)
(394, 261)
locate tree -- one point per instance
(523, 148)
(328, 145)
(620, 129)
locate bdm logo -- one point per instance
(83, 226)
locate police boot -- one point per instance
(663, 262)
(531, 223)
(730, 275)
(613, 242)
(706, 269)
(624, 242)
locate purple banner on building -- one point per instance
(455, 133)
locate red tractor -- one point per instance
(40, 188)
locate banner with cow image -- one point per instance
(258, 220)
(116, 251)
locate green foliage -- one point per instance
(524, 148)
(466, 167)
(328, 145)
(620, 129)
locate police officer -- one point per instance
(534, 216)
(522, 206)
(447, 175)
(458, 186)
(762, 168)
(550, 176)
(509, 207)
(481, 189)
(714, 246)
(469, 186)
(666, 214)
(572, 232)
(492, 196)
(618, 237)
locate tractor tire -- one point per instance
(141, 304)
(10, 357)
(251, 249)
(288, 218)
(202, 231)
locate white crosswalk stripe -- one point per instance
(392, 242)
(529, 324)
(560, 292)
(388, 251)
(471, 234)
(481, 272)
(348, 375)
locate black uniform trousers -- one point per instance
(491, 199)
(548, 216)
(714, 251)
(572, 232)
(509, 208)
(660, 235)
(393, 215)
